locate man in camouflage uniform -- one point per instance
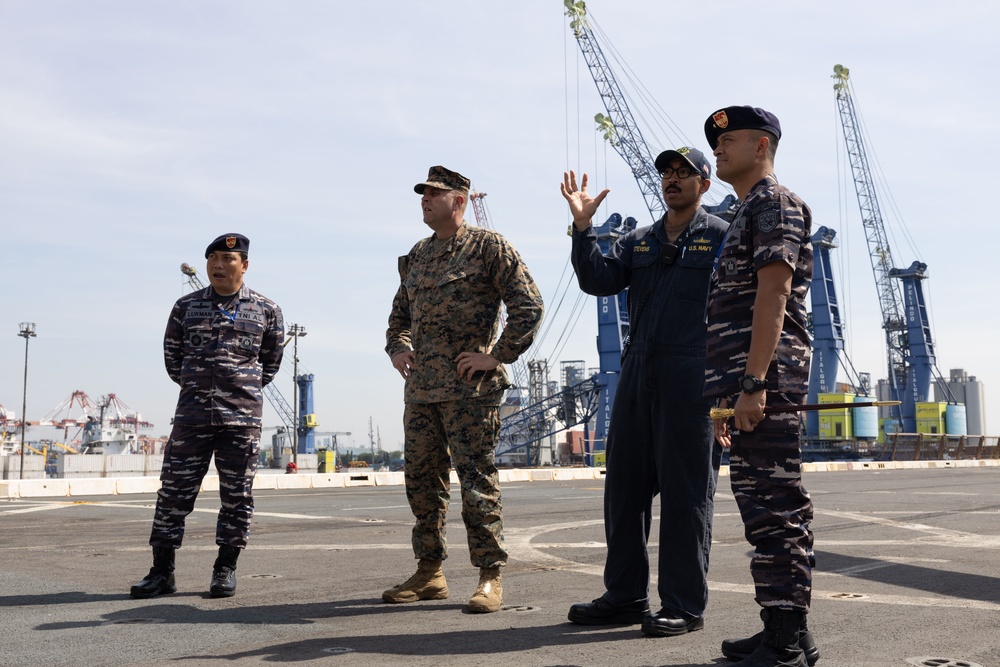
(660, 439)
(442, 338)
(758, 353)
(222, 345)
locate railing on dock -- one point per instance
(933, 447)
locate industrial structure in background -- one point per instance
(9, 444)
(908, 342)
(106, 427)
(828, 430)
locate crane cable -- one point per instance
(673, 134)
(882, 185)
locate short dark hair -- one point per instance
(772, 141)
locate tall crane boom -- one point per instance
(890, 299)
(620, 129)
(909, 347)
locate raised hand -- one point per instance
(582, 206)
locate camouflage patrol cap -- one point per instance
(229, 243)
(443, 179)
(740, 118)
(692, 156)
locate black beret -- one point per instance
(740, 118)
(229, 243)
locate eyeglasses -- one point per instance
(682, 172)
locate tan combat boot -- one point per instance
(426, 584)
(489, 594)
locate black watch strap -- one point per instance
(751, 385)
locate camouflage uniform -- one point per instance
(772, 225)
(222, 351)
(660, 439)
(449, 302)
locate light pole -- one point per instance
(295, 331)
(27, 330)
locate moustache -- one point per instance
(671, 188)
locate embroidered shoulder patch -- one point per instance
(766, 222)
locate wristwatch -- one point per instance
(751, 385)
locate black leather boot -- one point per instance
(779, 646)
(160, 579)
(224, 573)
(740, 649)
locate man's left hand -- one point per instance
(471, 362)
(749, 411)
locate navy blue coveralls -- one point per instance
(660, 438)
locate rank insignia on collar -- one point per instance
(721, 120)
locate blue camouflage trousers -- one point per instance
(466, 431)
(765, 469)
(186, 458)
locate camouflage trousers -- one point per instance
(765, 469)
(466, 431)
(186, 458)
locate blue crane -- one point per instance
(909, 346)
(828, 331)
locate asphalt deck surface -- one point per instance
(907, 574)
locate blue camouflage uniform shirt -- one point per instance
(449, 301)
(222, 351)
(772, 225)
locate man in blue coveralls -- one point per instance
(660, 439)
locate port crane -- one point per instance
(909, 345)
(308, 423)
(573, 405)
(620, 128)
(828, 331)
(8, 424)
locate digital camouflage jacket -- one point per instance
(449, 301)
(222, 351)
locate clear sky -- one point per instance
(133, 133)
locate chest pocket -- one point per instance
(644, 255)
(455, 277)
(424, 277)
(694, 272)
(245, 336)
(198, 327)
(735, 267)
